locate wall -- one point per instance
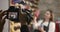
(54, 5)
(4, 4)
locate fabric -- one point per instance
(6, 26)
(24, 28)
(16, 1)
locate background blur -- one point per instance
(43, 5)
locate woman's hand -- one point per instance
(34, 19)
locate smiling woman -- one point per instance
(45, 25)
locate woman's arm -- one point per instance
(51, 27)
(35, 23)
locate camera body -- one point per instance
(13, 14)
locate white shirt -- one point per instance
(51, 25)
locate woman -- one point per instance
(45, 25)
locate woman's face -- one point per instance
(47, 15)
